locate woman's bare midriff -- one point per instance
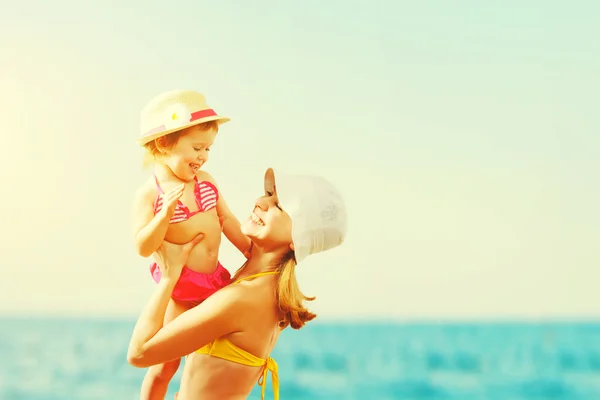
(204, 255)
(211, 378)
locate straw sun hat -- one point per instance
(173, 111)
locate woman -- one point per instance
(230, 336)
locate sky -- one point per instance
(461, 135)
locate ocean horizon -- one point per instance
(84, 358)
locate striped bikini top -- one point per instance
(206, 195)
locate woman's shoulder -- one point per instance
(231, 298)
(239, 300)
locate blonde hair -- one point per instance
(290, 299)
(155, 148)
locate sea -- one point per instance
(85, 359)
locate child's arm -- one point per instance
(231, 225)
(150, 229)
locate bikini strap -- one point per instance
(160, 191)
(256, 276)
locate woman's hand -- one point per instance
(172, 257)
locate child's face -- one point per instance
(190, 152)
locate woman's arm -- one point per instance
(152, 344)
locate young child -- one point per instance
(180, 201)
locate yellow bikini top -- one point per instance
(223, 348)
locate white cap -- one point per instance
(316, 208)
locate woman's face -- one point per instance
(269, 225)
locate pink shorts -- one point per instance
(193, 287)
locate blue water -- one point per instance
(51, 359)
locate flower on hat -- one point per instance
(177, 116)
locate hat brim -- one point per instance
(286, 187)
(147, 139)
(269, 180)
(282, 184)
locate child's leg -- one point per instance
(156, 381)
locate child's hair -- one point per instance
(290, 299)
(156, 147)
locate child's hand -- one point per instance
(248, 252)
(170, 200)
(172, 257)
